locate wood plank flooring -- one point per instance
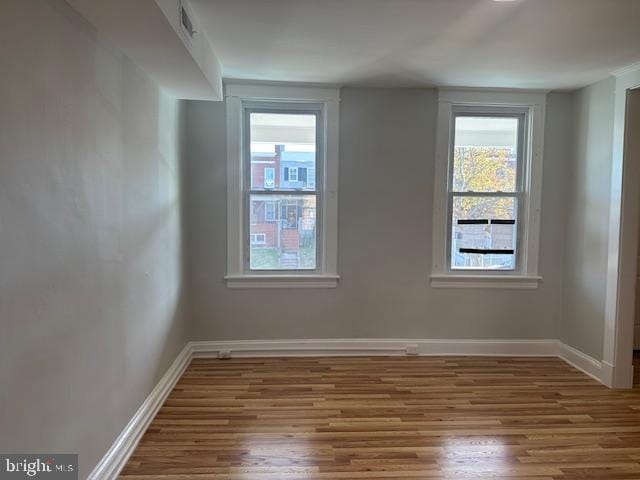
(390, 418)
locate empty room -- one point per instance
(319, 239)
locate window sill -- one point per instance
(522, 282)
(282, 281)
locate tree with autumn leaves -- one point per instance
(484, 169)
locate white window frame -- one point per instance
(450, 103)
(291, 171)
(326, 273)
(521, 114)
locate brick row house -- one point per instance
(284, 224)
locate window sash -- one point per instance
(487, 194)
(282, 108)
(492, 112)
(519, 194)
(517, 257)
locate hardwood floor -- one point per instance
(390, 418)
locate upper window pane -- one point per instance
(283, 151)
(485, 155)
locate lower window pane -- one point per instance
(282, 233)
(484, 233)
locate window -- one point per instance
(283, 129)
(269, 177)
(270, 212)
(291, 174)
(488, 189)
(282, 233)
(485, 191)
(258, 238)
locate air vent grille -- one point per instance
(186, 22)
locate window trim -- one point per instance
(450, 102)
(325, 275)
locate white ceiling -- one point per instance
(546, 44)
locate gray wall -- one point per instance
(386, 197)
(587, 226)
(90, 256)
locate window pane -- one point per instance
(485, 154)
(283, 151)
(282, 234)
(484, 233)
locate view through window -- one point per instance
(282, 199)
(485, 191)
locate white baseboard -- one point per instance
(383, 346)
(581, 361)
(115, 459)
(608, 374)
(117, 456)
(375, 346)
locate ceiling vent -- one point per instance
(186, 23)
